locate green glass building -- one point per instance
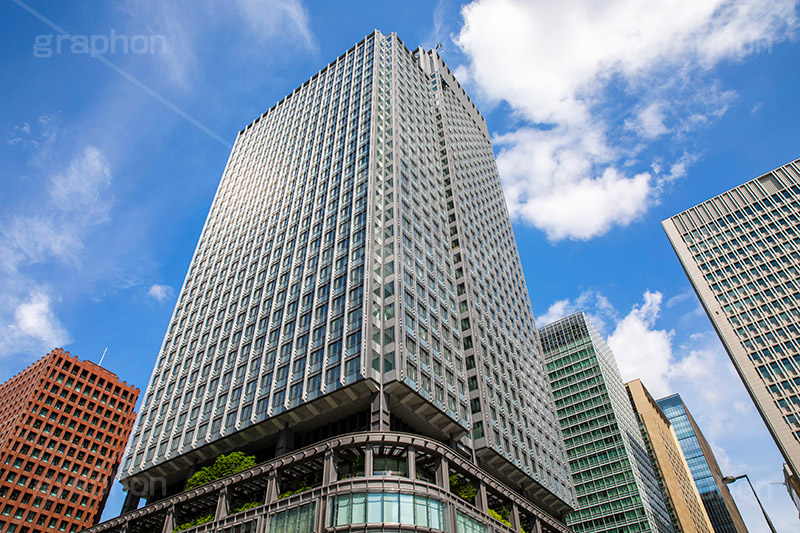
(615, 485)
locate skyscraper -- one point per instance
(740, 251)
(677, 485)
(703, 465)
(615, 485)
(358, 274)
(63, 427)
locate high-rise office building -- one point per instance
(615, 485)
(63, 428)
(721, 508)
(741, 252)
(677, 485)
(358, 275)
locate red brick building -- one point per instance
(64, 424)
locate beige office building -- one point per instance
(741, 252)
(680, 493)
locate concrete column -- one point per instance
(481, 498)
(285, 442)
(537, 525)
(131, 502)
(319, 515)
(169, 521)
(272, 487)
(513, 517)
(329, 473)
(453, 517)
(261, 524)
(379, 412)
(443, 474)
(368, 461)
(192, 470)
(411, 457)
(453, 443)
(223, 504)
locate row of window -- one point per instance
(238, 196)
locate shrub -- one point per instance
(351, 466)
(225, 465)
(296, 486)
(246, 506)
(196, 522)
(499, 517)
(292, 492)
(462, 488)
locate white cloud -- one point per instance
(49, 234)
(642, 351)
(559, 69)
(439, 28)
(645, 351)
(595, 306)
(78, 199)
(83, 187)
(38, 137)
(547, 180)
(556, 311)
(270, 18)
(160, 293)
(649, 122)
(34, 319)
(679, 298)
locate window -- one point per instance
(299, 520)
(391, 508)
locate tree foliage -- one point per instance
(462, 488)
(225, 465)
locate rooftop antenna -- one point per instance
(439, 46)
(103, 356)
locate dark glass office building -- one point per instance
(705, 471)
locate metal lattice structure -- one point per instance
(264, 482)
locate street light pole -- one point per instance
(730, 479)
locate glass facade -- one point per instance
(616, 487)
(714, 494)
(466, 524)
(741, 252)
(390, 508)
(297, 520)
(677, 486)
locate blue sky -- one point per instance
(607, 117)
